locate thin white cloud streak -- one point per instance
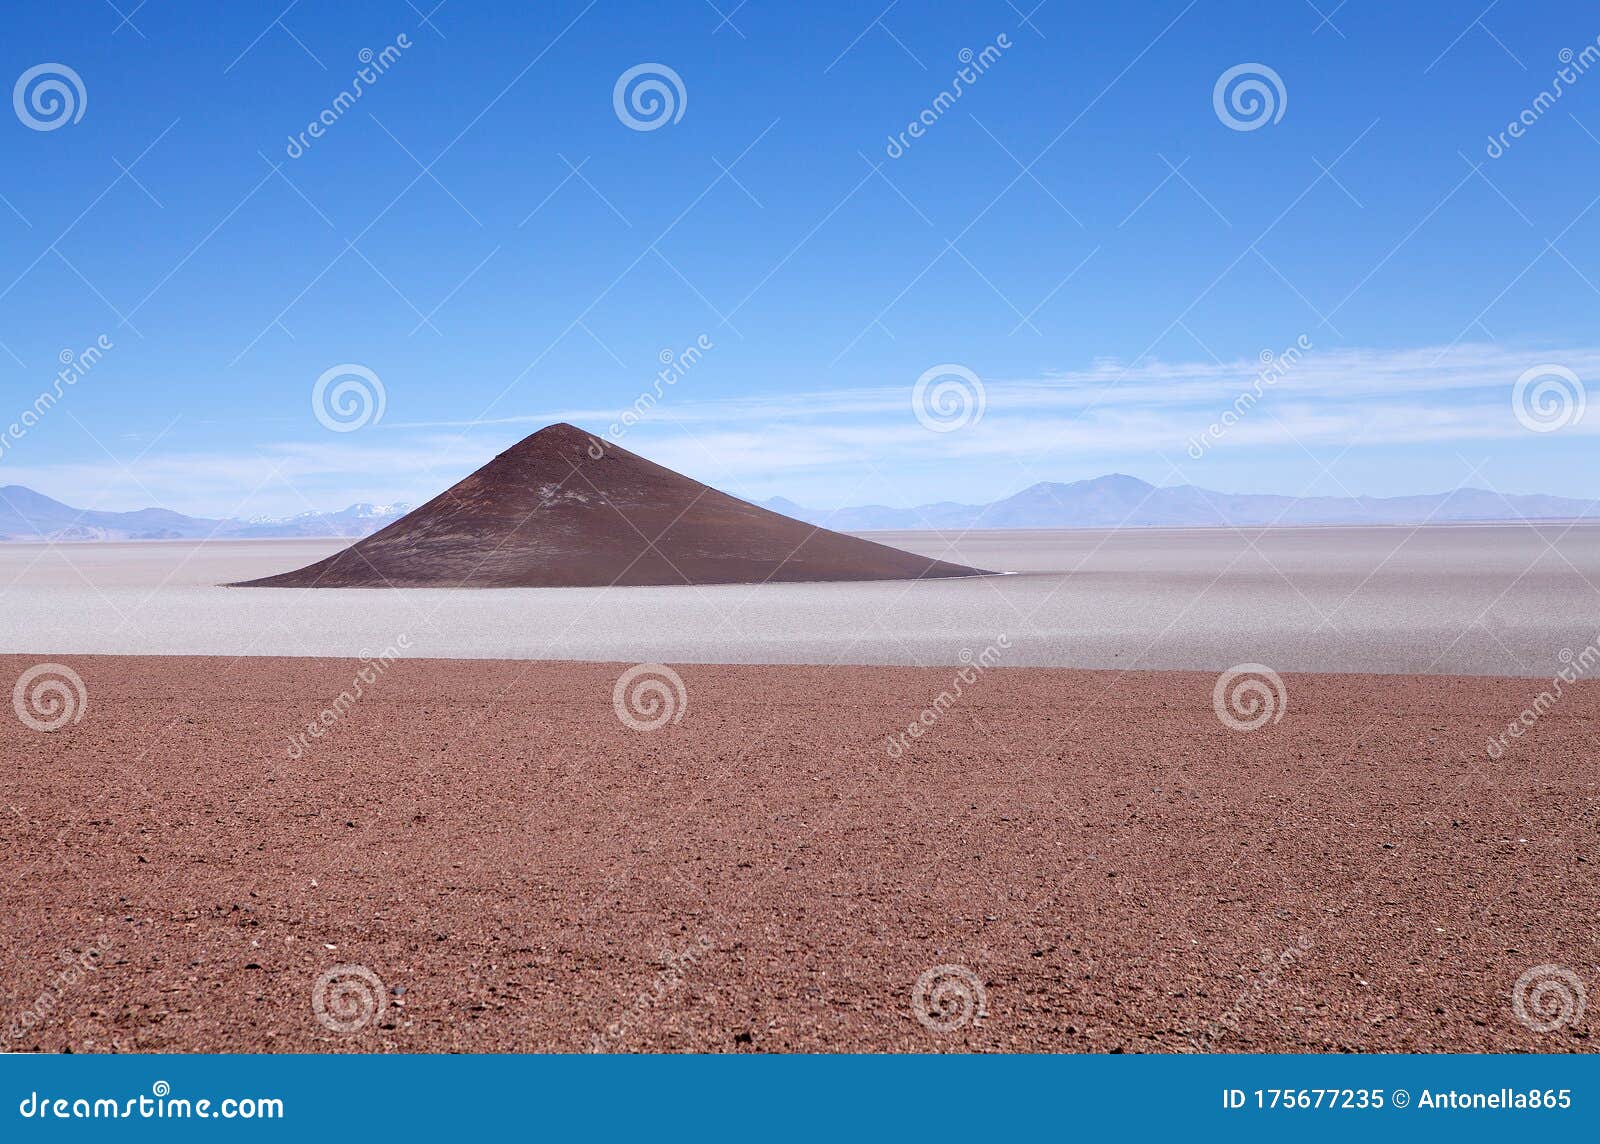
(792, 442)
(1335, 375)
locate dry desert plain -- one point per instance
(1108, 865)
(1485, 599)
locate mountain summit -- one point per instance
(564, 509)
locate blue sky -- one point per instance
(1080, 229)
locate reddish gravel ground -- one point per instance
(521, 871)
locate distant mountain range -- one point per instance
(1115, 500)
(27, 515)
(1103, 502)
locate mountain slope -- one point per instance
(26, 515)
(560, 510)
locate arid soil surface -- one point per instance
(1116, 868)
(1450, 600)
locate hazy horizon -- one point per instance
(768, 501)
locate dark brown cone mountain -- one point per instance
(564, 509)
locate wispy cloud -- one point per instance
(1121, 413)
(1335, 376)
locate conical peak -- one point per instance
(566, 508)
(559, 437)
(563, 446)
